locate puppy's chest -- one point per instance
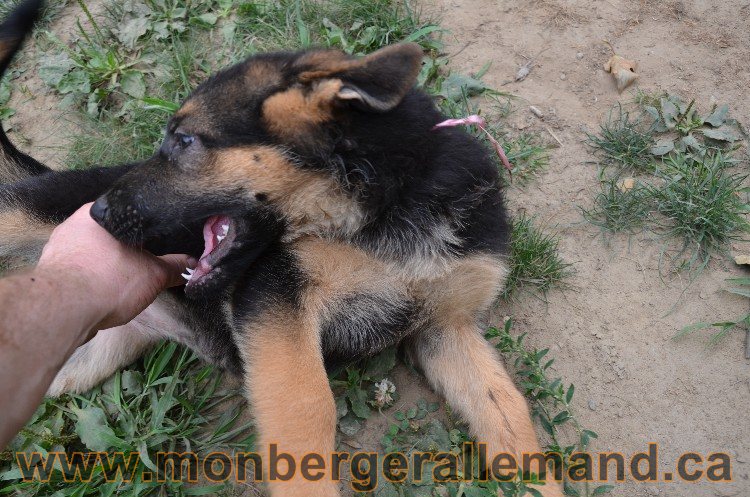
(362, 303)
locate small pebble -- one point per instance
(592, 404)
(563, 77)
(538, 113)
(579, 55)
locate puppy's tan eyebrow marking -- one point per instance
(187, 108)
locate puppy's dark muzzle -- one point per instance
(100, 211)
(134, 224)
(124, 222)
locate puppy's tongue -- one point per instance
(214, 231)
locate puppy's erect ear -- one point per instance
(377, 82)
(327, 78)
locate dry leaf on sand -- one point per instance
(626, 184)
(623, 70)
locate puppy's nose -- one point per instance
(100, 210)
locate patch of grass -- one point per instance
(535, 261)
(141, 52)
(618, 209)
(698, 201)
(624, 143)
(111, 139)
(551, 401)
(689, 187)
(702, 203)
(349, 25)
(355, 26)
(163, 406)
(528, 155)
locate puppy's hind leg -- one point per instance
(463, 366)
(30, 209)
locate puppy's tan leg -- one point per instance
(99, 358)
(291, 398)
(115, 348)
(463, 366)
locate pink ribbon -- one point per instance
(480, 123)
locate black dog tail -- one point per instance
(14, 164)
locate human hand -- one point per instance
(119, 281)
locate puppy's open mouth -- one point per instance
(219, 233)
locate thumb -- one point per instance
(175, 265)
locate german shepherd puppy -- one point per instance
(331, 221)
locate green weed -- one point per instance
(689, 189)
(362, 389)
(723, 328)
(624, 143)
(416, 430)
(618, 209)
(686, 130)
(534, 259)
(702, 204)
(164, 406)
(550, 400)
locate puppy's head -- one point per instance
(266, 147)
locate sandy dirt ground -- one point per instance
(611, 331)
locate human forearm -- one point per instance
(44, 315)
(85, 281)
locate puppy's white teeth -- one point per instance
(221, 237)
(189, 271)
(225, 229)
(187, 276)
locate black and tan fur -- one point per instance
(357, 227)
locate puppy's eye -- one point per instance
(185, 140)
